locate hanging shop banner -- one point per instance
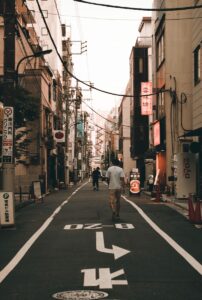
(7, 140)
(146, 101)
(6, 209)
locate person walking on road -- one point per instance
(96, 175)
(116, 182)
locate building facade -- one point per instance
(177, 37)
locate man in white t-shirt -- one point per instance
(115, 178)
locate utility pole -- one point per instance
(7, 195)
(9, 80)
(75, 144)
(77, 106)
(67, 139)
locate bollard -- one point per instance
(191, 210)
(198, 219)
(194, 213)
(158, 194)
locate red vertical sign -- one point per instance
(156, 132)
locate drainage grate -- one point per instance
(80, 295)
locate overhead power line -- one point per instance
(141, 8)
(76, 78)
(115, 19)
(110, 121)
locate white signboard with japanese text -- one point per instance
(146, 101)
(6, 209)
(7, 140)
(186, 174)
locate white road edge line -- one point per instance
(190, 259)
(21, 253)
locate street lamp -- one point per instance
(36, 54)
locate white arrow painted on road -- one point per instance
(116, 251)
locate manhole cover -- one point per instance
(80, 295)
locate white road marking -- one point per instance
(21, 253)
(190, 259)
(105, 280)
(93, 226)
(73, 227)
(124, 226)
(116, 251)
(96, 226)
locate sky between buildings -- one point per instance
(110, 34)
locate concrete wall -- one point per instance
(128, 162)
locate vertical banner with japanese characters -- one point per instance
(146, 101)
(7, 197)
(6, 209)
(7, 139)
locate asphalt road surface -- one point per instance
(68, 247)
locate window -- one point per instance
(45, 13)
(44, 31)
(32, 12)
(197, 65)
(45, 47)
(49, 92)
(160, 41)
(64, 46)
(160, 50)
(161, 105)
(140, 65)
(54, 90)
(63, 30)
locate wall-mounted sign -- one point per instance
(135, 186)
(59, 136)
(7, 140)
(6, 209)
(156, 133)
(146, 101)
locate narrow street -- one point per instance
(67, 247)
